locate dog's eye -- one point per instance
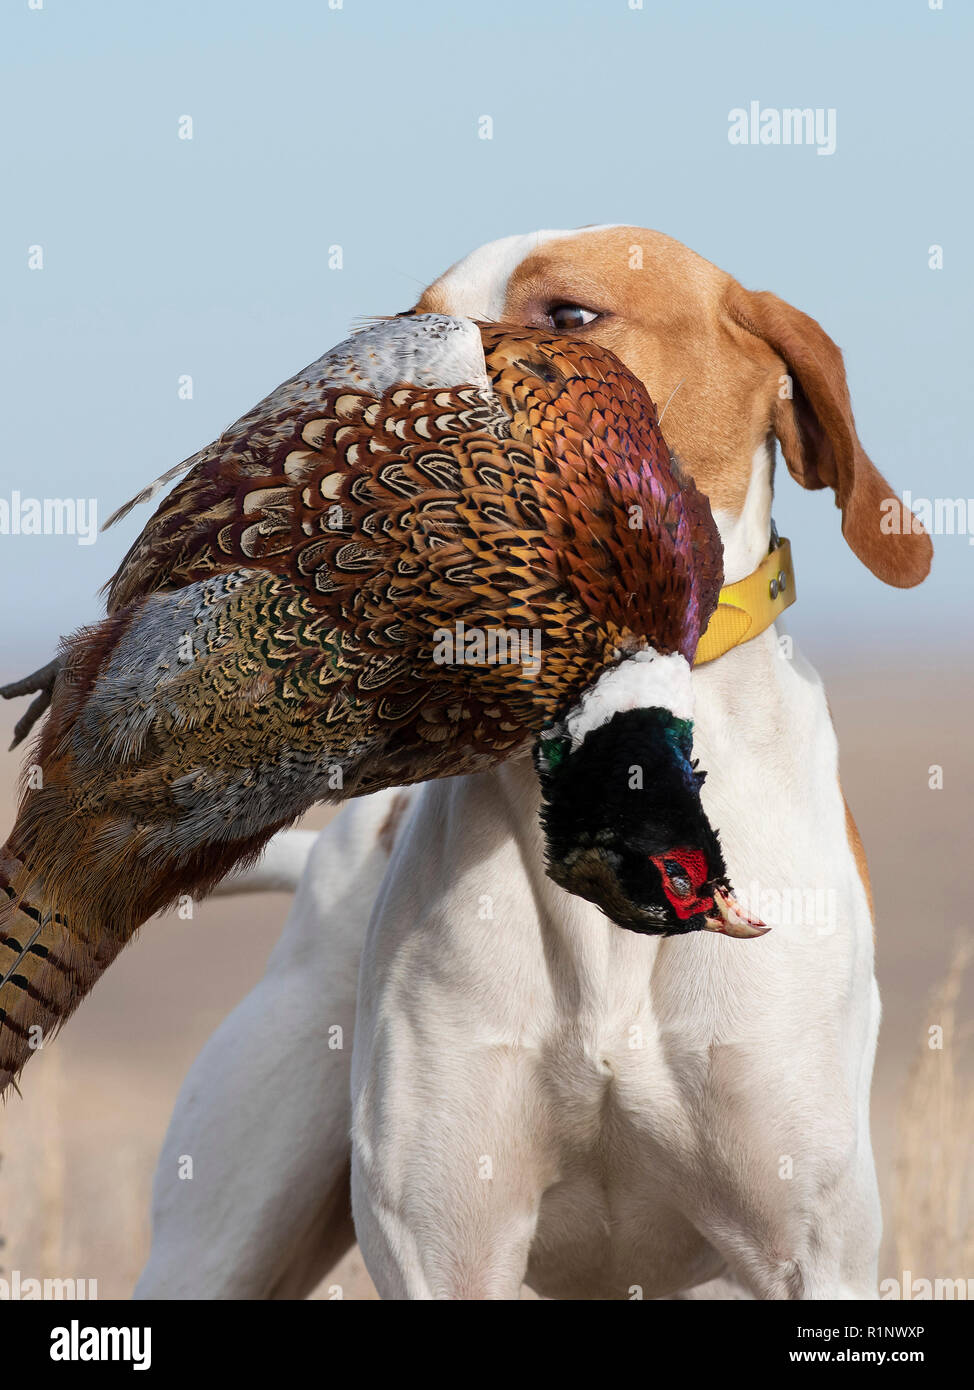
(567, 318)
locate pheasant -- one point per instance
(311, 614)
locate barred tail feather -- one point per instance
(60, 931)
(45, 970)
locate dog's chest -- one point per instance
(623, 1141)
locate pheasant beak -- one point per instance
(731, 920)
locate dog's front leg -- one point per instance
(449, 1134)
(446, 1208)
(789, 1197)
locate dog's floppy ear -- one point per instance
(817, 435)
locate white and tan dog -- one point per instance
(534, 1094)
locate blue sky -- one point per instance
(358, 127)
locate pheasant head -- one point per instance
(624, 823)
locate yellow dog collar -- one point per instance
(746, 608)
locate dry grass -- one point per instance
(933, 1182)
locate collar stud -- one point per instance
(746, 608)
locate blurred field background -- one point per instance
(79, 1149)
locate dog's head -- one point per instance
(732, 368)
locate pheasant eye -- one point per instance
(569, 317)
(679, 881)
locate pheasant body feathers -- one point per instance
(272, 635)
